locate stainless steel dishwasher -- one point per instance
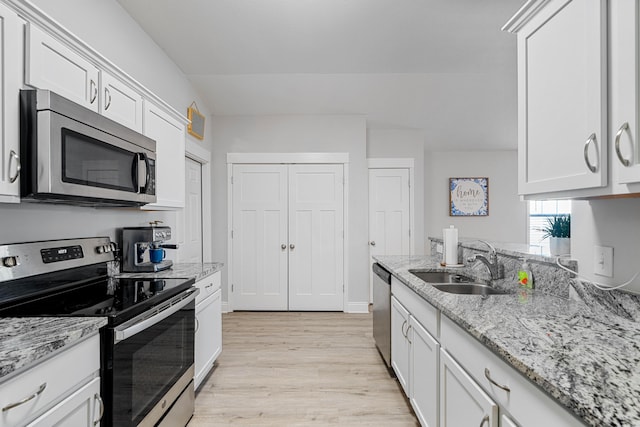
(382, 312)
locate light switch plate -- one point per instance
(603, 261)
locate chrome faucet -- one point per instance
(495, 269)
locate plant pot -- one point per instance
(560, 245)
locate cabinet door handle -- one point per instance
(283, 246)
(292, 246)
(372, 243)
(99, 399)
(621, 130)
(485, 419)
(26, 399)
(107, 95)
(402, 329)
(592, 138)
(93, 88)
(487, 374)
(197, 325)
(408, 329)
(13, 155)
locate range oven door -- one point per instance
(149, 363)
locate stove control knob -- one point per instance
(10, 261)
(100, 249)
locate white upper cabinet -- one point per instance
(624, 70)
(10, 84)
(562, 95)
(120, 102)
(52, 65)
(169, 135)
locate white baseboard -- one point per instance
(352, 307)
(225, 307)
(357, 307)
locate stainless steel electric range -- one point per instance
(147, 346)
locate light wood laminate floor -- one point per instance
(298, 369)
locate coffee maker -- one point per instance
(138, 245)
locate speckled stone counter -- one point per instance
(26, 341)
(182, 270)
(587, 359)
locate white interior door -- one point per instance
(389, 213)
(191, 249)
(316, 249)
(260, 245)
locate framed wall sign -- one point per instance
(468, 196)
(196, 122)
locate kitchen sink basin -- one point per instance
(440, 277)
(468, 289)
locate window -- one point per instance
(539, 211)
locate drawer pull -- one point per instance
(99, 399)
(404, 334)
(487, 374)
(26, 399)
(484, 420)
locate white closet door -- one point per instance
(389, 214)
(259, 234)
(389, 222)
(191, 250)
(316, 252)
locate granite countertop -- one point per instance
(588, 360)
(26, 341)
(182, 270)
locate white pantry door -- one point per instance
(192, 245)
(389, 212)
(260, 245)
(316, 248)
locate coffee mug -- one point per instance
(156, 255)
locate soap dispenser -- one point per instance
(525, 277)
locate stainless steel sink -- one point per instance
(468, 289)
(440, 277)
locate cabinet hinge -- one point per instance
(232, 234)
(232, 287)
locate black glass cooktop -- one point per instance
(117, 299)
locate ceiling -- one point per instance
(439, 66)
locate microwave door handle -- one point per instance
(140, 157)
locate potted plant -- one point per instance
(558, 230)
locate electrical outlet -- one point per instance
(439, 248)
(603, 261)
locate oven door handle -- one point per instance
(164, 310)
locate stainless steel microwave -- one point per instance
(73, 155)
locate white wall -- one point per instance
(507, 219)
(105, 26)
(297, 134)
(613, 223)
(393, 143)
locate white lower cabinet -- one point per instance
(526, 404)
(462, 401)
(208, 336)
(400, 344)
(414, 358)
(423, 374)
(452, 380)
(83, 408)
(61, 391)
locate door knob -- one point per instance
(372, 243)
(283, 246)
(292, 246)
